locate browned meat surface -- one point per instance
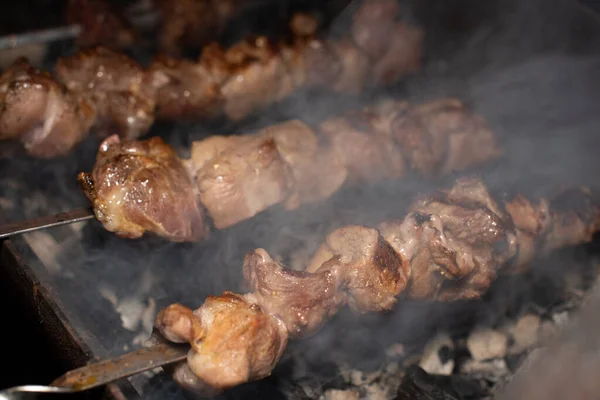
(255, 72)
(442, 135)
(366, 154)
(450, 246)
(178, 324)
(185, 89)
(255, 68)
(243, 181)
(320, 63)
(368, 268)
(236, 342)
(373, 25)
(317, 173)
(238, 81)
(302, 300)
(303, 24)
(459, 242)
(291, 164)
(40, 112)
(192, 23)
(239, 177)
(403, 55)
(115, 85)
(570, 216)
(203, 151)
(101, 24)
(354, 67)
(143, 186)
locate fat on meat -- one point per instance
(40, 112)
(143, 186)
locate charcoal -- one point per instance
(494, 370)
(419, 385)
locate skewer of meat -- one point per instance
(450, 246)
(139, 186)
(120, 96)
(193, 23)
(181, 23)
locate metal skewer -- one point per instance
(107, 371)
(64, 218)
(41, 36)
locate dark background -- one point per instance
(26, 355)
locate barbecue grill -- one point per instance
(529, 67)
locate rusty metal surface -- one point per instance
(110, 370)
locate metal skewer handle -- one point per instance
(103, 372)
(70, 217)
(41, 36)
(24, 392)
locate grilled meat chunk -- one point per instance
(143, 186)
(243, 181)
(450, 246)
(367, 154)
(354, 67)
(402, 57)
(184, 89)
(443, 135)
(316, 171)
(304, 24)
(192, 23)
(115, 85)
(40, 112)
(366, 266)
(101, 24)
(178, 324)
(256, 67)
(459, 246)
(235, 341)
(373, 25)
(302, 300)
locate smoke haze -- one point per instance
(531, 68)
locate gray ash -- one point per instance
(531, 68)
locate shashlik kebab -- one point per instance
(181, 23)
(143, 186)
(194, 23)
(450, 246)
(107, 90)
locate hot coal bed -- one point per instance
(530, 68)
